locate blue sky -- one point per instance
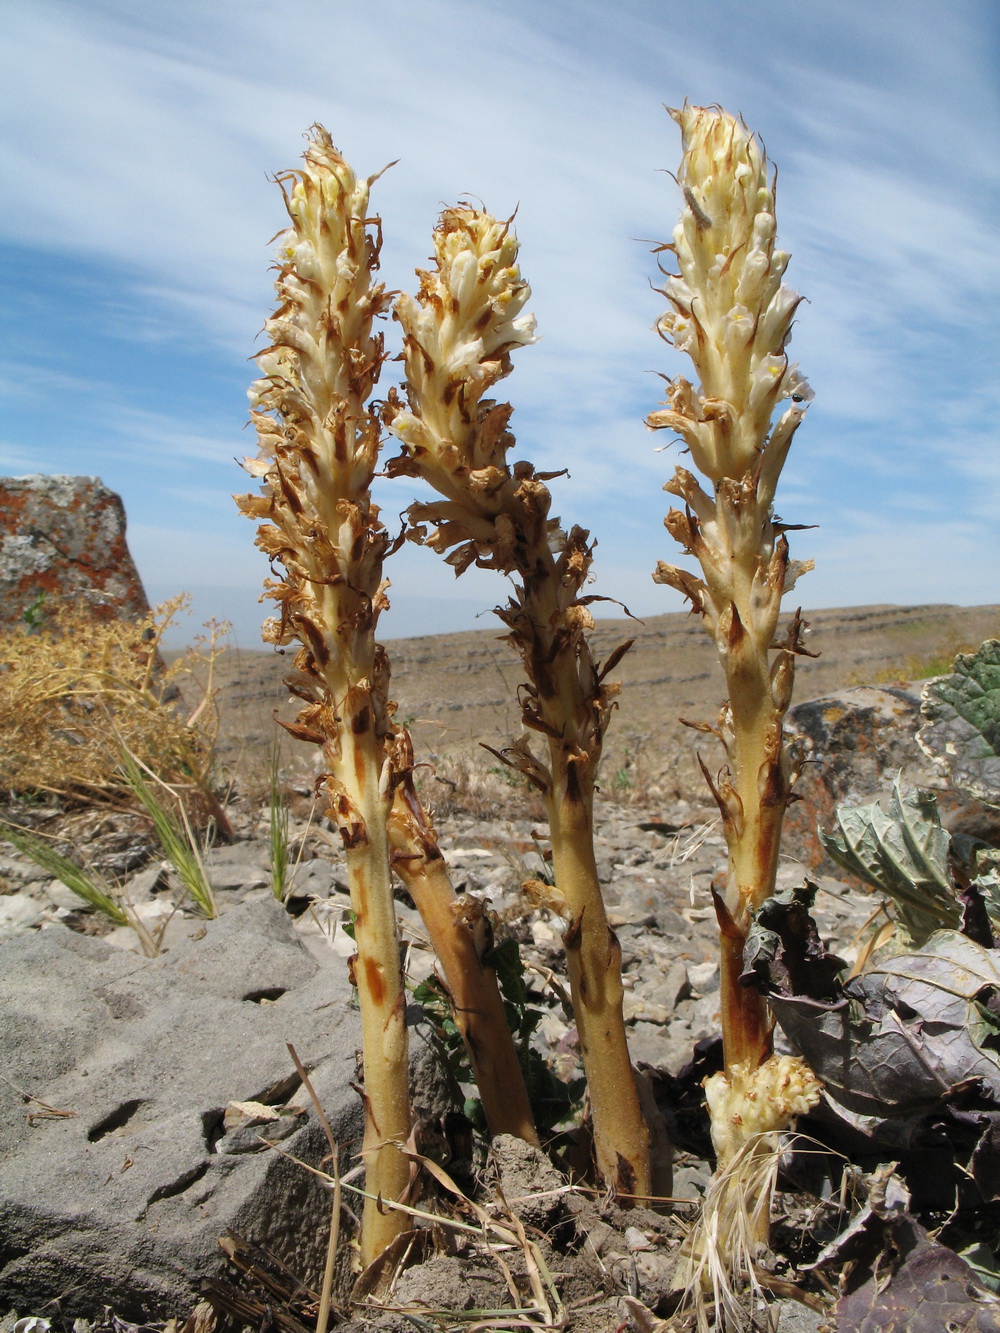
(137, 144)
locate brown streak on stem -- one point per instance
(573, 932)
(735, 633)
(746, 1029)
(317, 644)
(361, 721)
(373, 978)
(626, 1176)
(724, 810)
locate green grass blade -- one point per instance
(79, 881)
(278, 821)
(175, 835)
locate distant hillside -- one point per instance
(455, 690)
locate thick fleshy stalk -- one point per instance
(731, 313)
(476, 1002)
(458, 335)
(319, 445)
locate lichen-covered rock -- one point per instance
(856, 742)
(64, 537)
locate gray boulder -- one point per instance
(120, 1175)
(857, 741)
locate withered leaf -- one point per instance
(931, 1290)
(896, 1040)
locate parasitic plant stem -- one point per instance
(458, 335)
(732, 314)
(476, 1002)
(319, 445)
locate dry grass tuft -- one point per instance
(75, 694)
(477, 785)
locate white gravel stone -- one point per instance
(18, 912)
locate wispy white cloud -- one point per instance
(16, 461)
(142, 137)
(163, 440)
(24, 380)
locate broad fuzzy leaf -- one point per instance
(962, 731)
(903, 853)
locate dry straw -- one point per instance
(75, 690)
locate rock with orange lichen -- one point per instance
(63, 538)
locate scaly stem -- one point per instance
(566, 701)
(594, 962)
(459, 333)
(477, 1006)
(731, 313)
(359, 791)
(319, 446)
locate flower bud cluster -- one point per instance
(459, 332)
(729, 309)
(752, 1102)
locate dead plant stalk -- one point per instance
(458, 335)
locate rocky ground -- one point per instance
(656, 867)
(659, 847)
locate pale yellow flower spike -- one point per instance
(319, 445)
(460, 330)
(730, 312)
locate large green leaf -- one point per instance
(904, 853)
(962, 730)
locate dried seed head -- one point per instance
(729, 310)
